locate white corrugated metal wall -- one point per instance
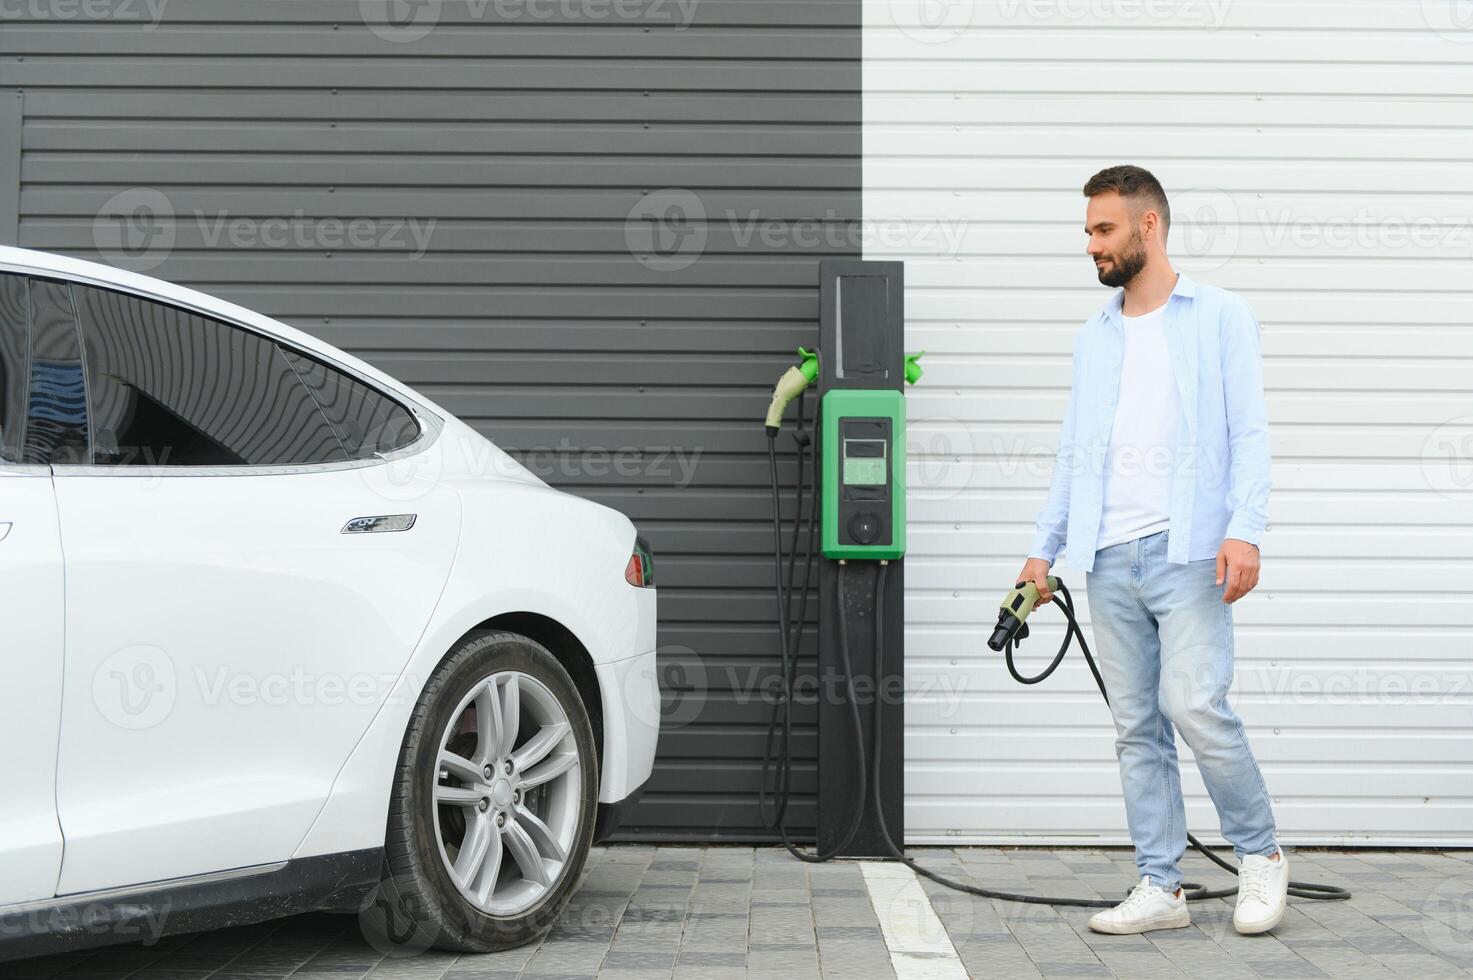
(1317, 157)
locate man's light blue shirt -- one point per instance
(1220, 479)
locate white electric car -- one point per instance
(281, 634)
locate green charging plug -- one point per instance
(1012, 618)
(792, 384)
(913, 369)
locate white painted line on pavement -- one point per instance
(919, 947)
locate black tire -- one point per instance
(418, 904)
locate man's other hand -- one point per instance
(1237, 562)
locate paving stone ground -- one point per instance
(736, 912)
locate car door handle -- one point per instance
(4, 530)
(387, 522)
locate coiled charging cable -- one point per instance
(1194, 892)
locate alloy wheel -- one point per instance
(507, 791)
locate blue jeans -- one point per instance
(1164, 641)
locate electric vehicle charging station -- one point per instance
(861, 373)
(859, 463)
(862, 445)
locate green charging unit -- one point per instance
(863, 446)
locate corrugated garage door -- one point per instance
(1316, 155)
(591, 230)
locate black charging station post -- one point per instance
(861, 337)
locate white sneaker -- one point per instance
(1263, 892)
(1147, 907)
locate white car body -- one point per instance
(204, 674)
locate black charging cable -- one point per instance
(1194, 892)
(782, 706)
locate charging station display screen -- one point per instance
(863, 451)
(864, 462)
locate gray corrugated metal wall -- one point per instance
(510, 144)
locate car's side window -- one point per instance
(172, 388)
(14, 318)
(56, 412)
(367, 421)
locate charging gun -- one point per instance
(1012, 618)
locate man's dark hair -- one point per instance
(1138, 186)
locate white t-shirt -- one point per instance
(1143, 438)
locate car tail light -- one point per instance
(641, 568)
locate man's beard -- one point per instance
(1127, 265)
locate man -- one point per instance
(1160, 490)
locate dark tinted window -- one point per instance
(169, 387)
(56, 414)
(367, 421)
(14, 316)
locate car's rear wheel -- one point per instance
(494, 800)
